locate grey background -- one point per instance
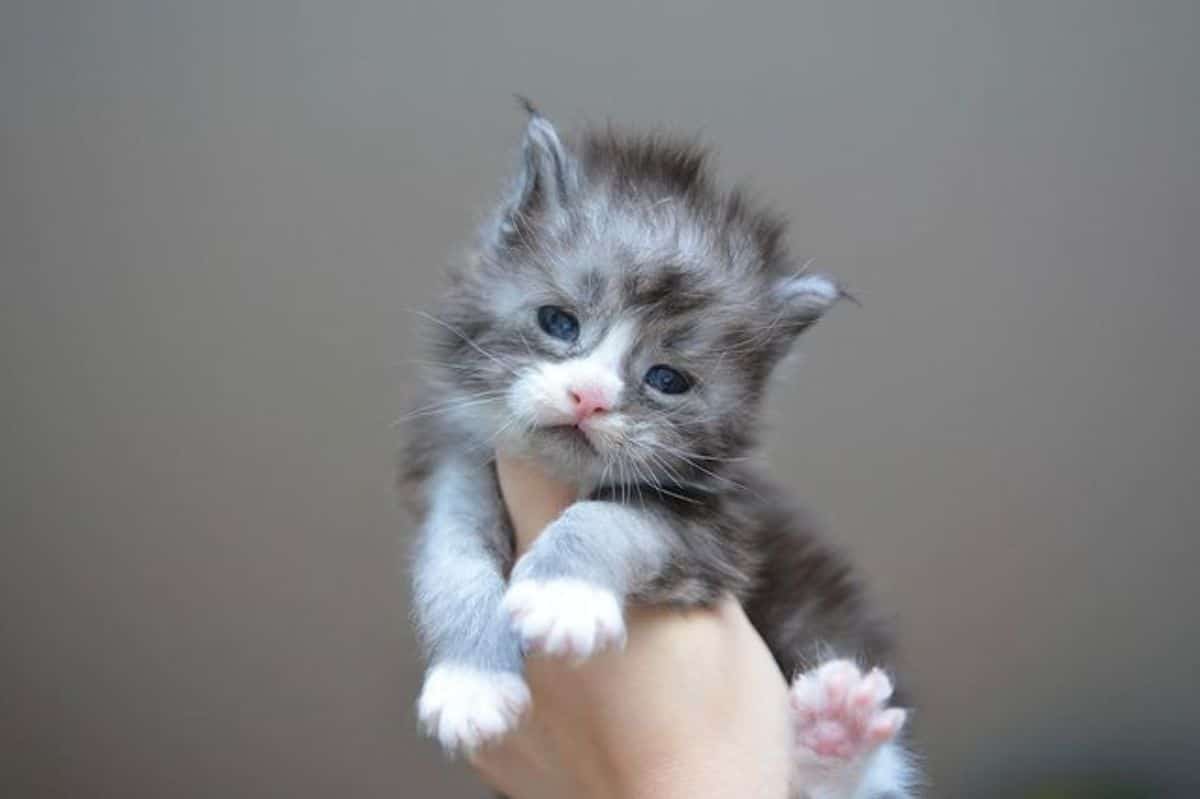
(214, 215)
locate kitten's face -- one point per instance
(621, 336)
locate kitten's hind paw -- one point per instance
(465, 707)
(841, 714)
(565, 617)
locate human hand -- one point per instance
(693, 707)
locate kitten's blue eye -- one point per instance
(667, 380)
(558, 323)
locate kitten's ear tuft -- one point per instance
(548, 171)
(805, 297)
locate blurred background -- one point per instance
(213, 217)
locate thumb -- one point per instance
(534, 499)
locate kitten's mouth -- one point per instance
(571, 435)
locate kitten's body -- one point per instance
(669, 305)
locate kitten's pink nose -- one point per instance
(588, 401)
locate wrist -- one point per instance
(752, 771)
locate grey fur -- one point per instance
(636, 544)
(456, 582)
(619, 226)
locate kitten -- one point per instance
(618, 321)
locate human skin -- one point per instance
(693, 706)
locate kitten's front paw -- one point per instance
(464, 707)
(564, 616)
(841, 714)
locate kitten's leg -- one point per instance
(473, 689)
(845, 735)
(566, 594)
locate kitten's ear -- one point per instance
(549, 172)
(804, 298)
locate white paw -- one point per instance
(465, 707)
(564, 616)
(840, 713)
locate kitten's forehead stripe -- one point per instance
(682, 337)
(592, 287)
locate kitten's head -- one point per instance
(620, 316)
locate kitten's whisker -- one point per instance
(603, 481)
(679, 481)
(449, 405)
(445, 364)
(668, 468)
(525, 341)
(624, 484)
(464, 337)
(680, 497)
(512, 419)
(641, 478)
(440, 409)
(661, 489)
(683, 456)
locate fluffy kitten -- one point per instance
(618, 321)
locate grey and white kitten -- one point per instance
(618, 321)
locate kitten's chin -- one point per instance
(564, 450)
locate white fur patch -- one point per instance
(806, 292)
(890, 771)
(565, 617)
(613, 348)
(818, 287)
(465, 707)
(543, 395)
(540, 396)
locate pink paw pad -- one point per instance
(841, 713)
